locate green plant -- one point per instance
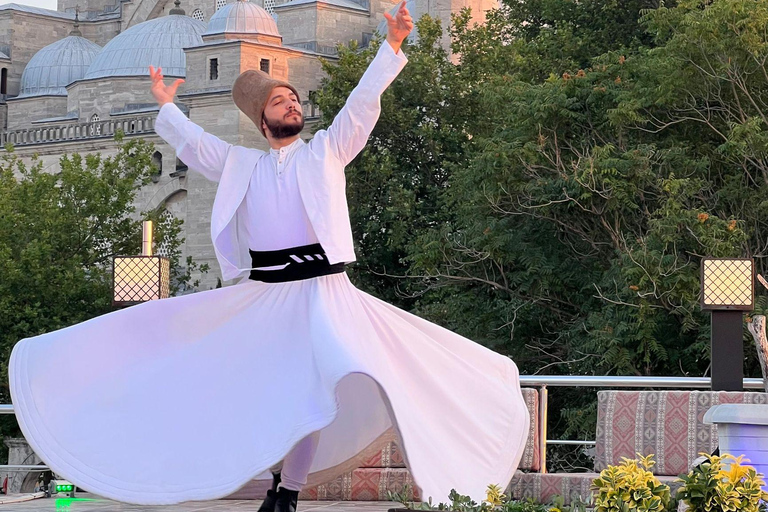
(717, 485)
(495, 501)
(404, 496)
(577, 505)
(630, 486)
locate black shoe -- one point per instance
(286, 500)
(268, 505)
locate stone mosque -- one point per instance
(70, 78)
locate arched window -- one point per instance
(163, 247)
(269, 6)
(95, 125)
(157, 162)
(198, 15)
(220, 4)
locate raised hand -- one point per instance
(163, 93)
(398, 26)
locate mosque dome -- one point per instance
(159, 42)
(56, 66)
(242, 17)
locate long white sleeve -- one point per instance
(200, 151)
(352, 126)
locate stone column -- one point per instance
(20, 453)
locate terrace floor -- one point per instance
(91, 503)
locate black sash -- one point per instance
(303, 262)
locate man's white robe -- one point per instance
(190, 398)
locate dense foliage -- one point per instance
(58, 233)
(551, 194)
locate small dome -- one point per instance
(56, 66)
(242, 17)
(159, 42)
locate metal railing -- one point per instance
(542, 384)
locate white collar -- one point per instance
(286, 150)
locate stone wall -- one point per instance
(104, 95)
(340, 25)
(198, 77)
(100, 32)
(305, 73)
(23, 111)
(26, 34)
(297, 24)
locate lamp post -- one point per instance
(137, 279)
(727, 289)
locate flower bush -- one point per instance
(630, 487)
(495, 501)
(723, 484)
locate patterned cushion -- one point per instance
(543, 487)
(667, 424)
(390, 455)
(362, 484)
(531, 459)
(381, 468)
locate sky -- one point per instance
(47, 4)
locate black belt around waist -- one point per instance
(304, 262)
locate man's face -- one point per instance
(282, 114)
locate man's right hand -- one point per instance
(163, 93)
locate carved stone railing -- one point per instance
(138, 125)
(78, 131)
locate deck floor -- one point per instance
(90, 503)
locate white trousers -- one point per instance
(295, 466)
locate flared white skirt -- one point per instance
(192, 397)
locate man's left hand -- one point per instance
(398, 26)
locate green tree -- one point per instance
(556, 36)
(590, 166)
(394, 185)
(58, 234)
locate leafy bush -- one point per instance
(630, 486)
(716, 485)
(495, 501)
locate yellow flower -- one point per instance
(736, 471)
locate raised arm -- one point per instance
(354, 123)
(200, 151)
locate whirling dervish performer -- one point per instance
(192, 397)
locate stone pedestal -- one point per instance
(19, 453)
(742, 429)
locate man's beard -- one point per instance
(282, 130)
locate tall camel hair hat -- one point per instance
(251, 91)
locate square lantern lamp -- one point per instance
(727, 290)
(137, 279)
